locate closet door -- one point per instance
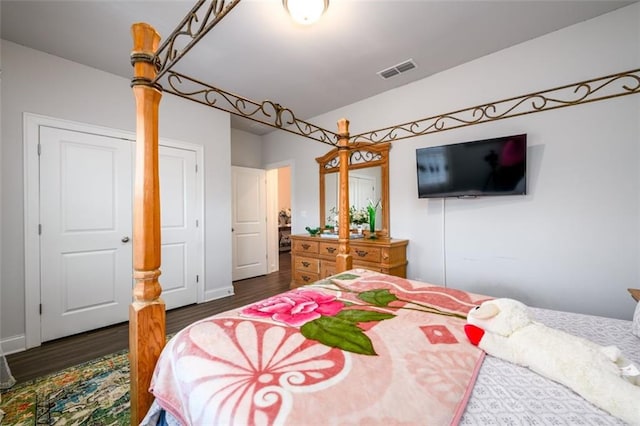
(85, 211)
(178, 210)
(78, 226)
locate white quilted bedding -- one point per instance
(507, 394)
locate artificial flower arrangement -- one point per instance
(285, 215)
(356, 216)
(332, 219)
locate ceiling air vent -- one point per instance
(397, 69)
(388, 73)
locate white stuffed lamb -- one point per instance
(601, 375)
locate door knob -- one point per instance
(125, 239)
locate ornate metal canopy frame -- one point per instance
(194, 26)
(206, 14)
(265, 112)
(611, 86)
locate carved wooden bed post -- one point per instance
(343, 259)
(147, 334)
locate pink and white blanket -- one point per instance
(358, 348)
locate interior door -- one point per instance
(178, 210)
(249, 223)
(361, 190)
(85, 211)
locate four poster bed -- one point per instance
(374, 348)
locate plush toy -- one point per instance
(601, 375)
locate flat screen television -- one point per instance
(471, 169)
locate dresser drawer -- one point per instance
(314, 258)
(327, 269)
(304, 277)
(328, 250)
(370, 266)
(304, 246)
(366, 254)
(307, 264)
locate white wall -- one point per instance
(36, 82)
(246, 149)
(573, 242)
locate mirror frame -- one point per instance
(361, 155)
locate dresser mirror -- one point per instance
(368, 181)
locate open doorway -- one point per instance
(279, 214)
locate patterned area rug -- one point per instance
(93, 393)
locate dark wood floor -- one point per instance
(69, 351)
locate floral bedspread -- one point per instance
(357, 348)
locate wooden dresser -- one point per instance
(313, 258)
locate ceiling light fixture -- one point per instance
(305, 12)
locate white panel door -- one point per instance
(85, 211)
(179, 226)
(361, 190)
(249, 221)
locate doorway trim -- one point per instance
(31, 139)
(273, 249)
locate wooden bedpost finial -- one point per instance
(343, 128)
(145, 43)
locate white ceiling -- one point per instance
(259, 53)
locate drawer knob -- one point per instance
(331, 249)
(305, 264)
(361, 253)
(306, 246)
(306, 279)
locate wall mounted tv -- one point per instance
(471, 169)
